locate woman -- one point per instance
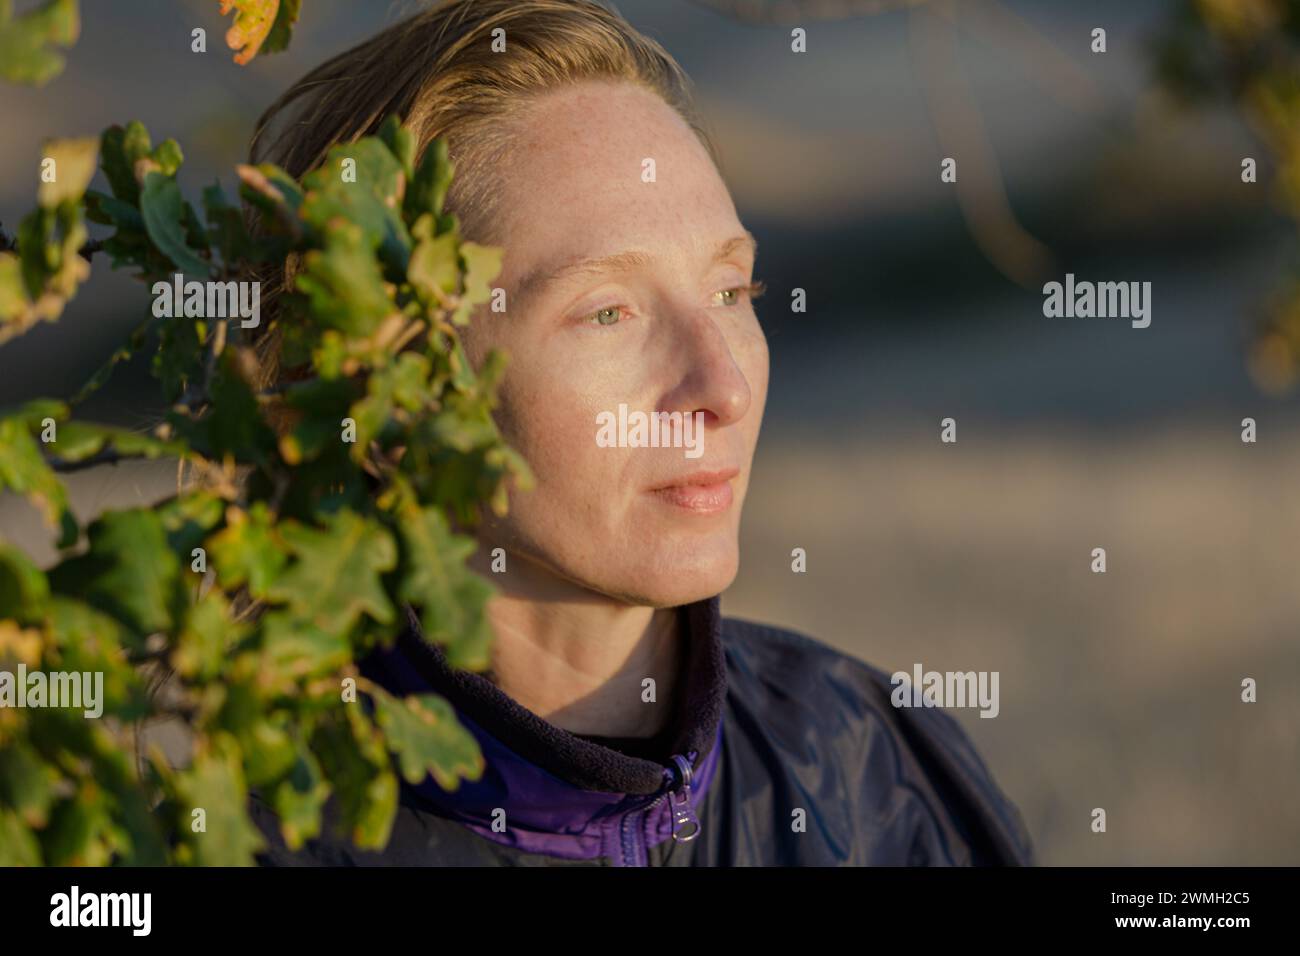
(624, 721)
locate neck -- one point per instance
(579, 659)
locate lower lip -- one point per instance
(699, 499)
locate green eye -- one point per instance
(607, 316)
(734, 296)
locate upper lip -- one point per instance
(716, 477)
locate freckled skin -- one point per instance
(573, 188)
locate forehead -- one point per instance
(576, 180)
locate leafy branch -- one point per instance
(326, 505)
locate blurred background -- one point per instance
(1118, 690)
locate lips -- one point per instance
(701, 492)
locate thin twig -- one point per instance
(959, 126)
(90, 248)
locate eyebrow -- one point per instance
(622, 261)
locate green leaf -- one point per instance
(232, 425)
(129, 572)
(464, 424)
(482, 265)
(352, 754)
(451, 598)
(428, 190)
(24, 590)
(344, 284)
(79, 829)
(372, 203)
(77, 441)
(35, 239)
(423, 733)
(227, 230)
(136, 837)
(248, 551)
(179, 359)
(324, 403)
(207, 637)
(215, 783)
(433, 270)
(33, 413)
(400, 143)
(268, 748)
(188, 518)
(272, 190)
(111, 211)
(120, 148)
(404, 384)
(27, 784)
(336, 577)
(294, 650)
(25, 42)
(23, 469)
(282, 29)
(86, 639)
(164, 211)
(18, 844)
(299, 798)
(168, 156)
(50, 268)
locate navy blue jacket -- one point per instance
(783, 751)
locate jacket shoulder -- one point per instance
(846, 699)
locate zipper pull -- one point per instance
(686, 825)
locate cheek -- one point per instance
(549, 416)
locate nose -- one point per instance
(710, 379)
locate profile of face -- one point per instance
(664, 326)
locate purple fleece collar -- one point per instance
(563, 795)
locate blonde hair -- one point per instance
(438, 71)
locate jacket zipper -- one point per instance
(686, 825)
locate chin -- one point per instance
(681, 576)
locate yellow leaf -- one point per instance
(20, 643)
(253, 22)
(74, 166)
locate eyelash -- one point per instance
(753, 291)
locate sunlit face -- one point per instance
(666, 327)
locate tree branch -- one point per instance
(106, 457)
(9, 243)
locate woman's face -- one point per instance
(665, 327)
